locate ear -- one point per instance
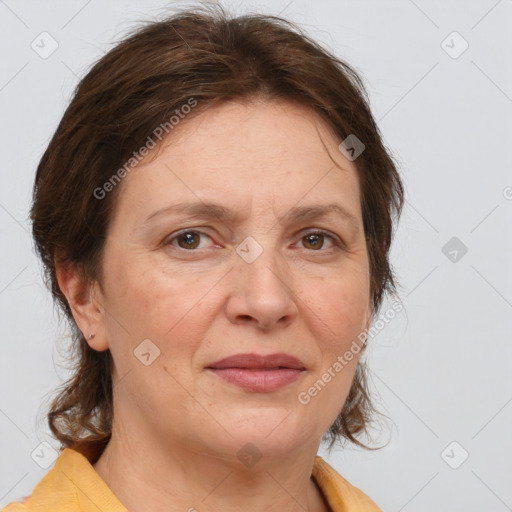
(82, 297)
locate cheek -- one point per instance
(341, 312)
(171, 311)
(342, 305)
(148, 299)
(167, 310)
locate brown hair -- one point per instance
(199, 53)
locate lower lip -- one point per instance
(261, 381)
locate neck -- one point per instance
(171, 478)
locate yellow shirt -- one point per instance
(73, 485)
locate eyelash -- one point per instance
(336, 242)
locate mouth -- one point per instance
(259, 373)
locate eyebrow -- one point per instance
(213, 210)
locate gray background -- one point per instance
(441, 370)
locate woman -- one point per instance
(214, 214)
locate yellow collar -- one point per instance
(74, 484)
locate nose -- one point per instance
(262, 293)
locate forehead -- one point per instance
(246, 127)
(237, 152)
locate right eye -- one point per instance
(187, 240)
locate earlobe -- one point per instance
(87, 314)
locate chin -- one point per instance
(270, 430)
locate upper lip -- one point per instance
(259, 361)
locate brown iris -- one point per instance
(315, 240)
(188, 237)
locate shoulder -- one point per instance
(56, 491)
(339, 492)
(24, 504)
(72, 485)
(18, 506)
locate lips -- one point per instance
(259, 362)
(259, 373)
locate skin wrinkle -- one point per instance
(178, 427)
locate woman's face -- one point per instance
(199, 288)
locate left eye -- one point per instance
(316, 239)
(190, 240)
